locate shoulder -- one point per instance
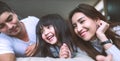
(30, 18)
(33, 17)
(5, 44)
(116, 29)
(4, 37)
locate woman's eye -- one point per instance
(74, 26)
(82, 21)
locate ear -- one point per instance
(98, 21)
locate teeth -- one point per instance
(49, 37)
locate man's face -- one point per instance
(9, 24)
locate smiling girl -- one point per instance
(54, 37)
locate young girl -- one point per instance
(54, 37)
(94, 32)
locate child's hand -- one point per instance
(64, 51)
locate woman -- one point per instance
(94, 32)
(54, 37)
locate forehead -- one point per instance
(4, 16)
(77, 15)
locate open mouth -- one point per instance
(50, 37)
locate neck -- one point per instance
(23, 34)
(94, 38)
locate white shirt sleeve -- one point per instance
(115, 52)
(5, 46)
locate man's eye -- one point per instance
(10, 19)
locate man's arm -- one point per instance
(7, 57)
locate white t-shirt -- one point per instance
(14, 45)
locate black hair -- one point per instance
(4, 8)
(62, 31)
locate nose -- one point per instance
(46, 32)
(79, 28)
(9, 25)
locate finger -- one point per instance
(64, 55)
(104, 25)
(29, 51)
(64, 46)
(109, 58)
(29, 54)
(100, 58)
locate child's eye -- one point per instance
(49, 26)
(41, 29)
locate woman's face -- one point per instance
(48, 34)
(84, 26)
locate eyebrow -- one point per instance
(80, 19)
(7, 18)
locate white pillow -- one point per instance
(82, 58)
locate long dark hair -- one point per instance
(92, 13)
(62, 31)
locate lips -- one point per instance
(82, 34)
(15, 29)
(50, 37)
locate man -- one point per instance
(17, 38)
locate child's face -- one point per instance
(84, 26)
(48, 34)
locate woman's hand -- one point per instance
(64, 51)
(102, 27)
(104, 58)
